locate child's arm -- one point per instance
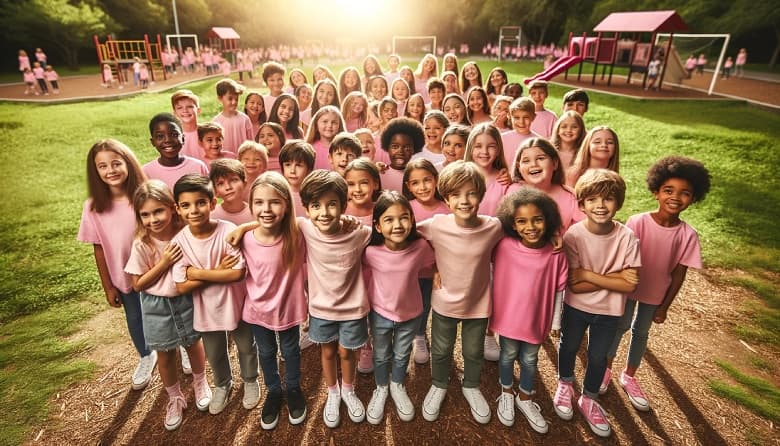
(235, 236)
(555, 330)
(582, 280)
(112, 294)
(223, 273)
(171, 255)
(678, 277)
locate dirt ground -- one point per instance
(677, 367)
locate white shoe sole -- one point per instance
(269, 426)
(299, 420)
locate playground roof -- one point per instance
(645, 21)
(222, 33)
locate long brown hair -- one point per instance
(290, 234)
(153, 190)
(97, 188)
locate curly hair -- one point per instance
(406, 126)
(524, 196)
(688, 169)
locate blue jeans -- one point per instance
(392, 347)
(640, 329)
(527, 354)
(426, 288)
(131, 303)
(291, 352)
(601, 332)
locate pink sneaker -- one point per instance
(635, 394)
(605, 381)
(595, 416)
(366, 360)
(562, 400)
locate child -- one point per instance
(29, 82)
(463, 242)
(395, 257)
(576, 100)
(485, 149)
(212, 271)
(24, 61)
(402, 138)
(522, 112)
(415, 107)
(603, 259)
(513, 89)
(371, 68)
(455, 109)
(427, 69)
(210, 140)
(167, 137)
(275, 304)
(600, 149)
(435, 93)
(349, 81)
(543, 119)
(727, 65)
(407, 75)
(285, 113)
(400, 92)
(388, 110)
(453, 145)
(254, 157)
(478, 109)
(567, 136)
(186, 107)
(297, 160)
(303, 94)
(393, 62)
(273, 76)
(271, 136)
(108, 77)
(167, 315)
(107, 222)
(236, 126)
(228, 178)
(254, 108)
(53, 78)
(377, 88)
(690, 65)
(450, 63)
(325, 124)
(669, 246)
(434, 125)
(470, 76)
(354, 110)
(321, 72)
(325, 93)
(701, 62)
(344, 148)
(366, 142)
(500, 113)
(653, 70)
(526, 255)
(496, 81)
(450, 80)
(363, 188)
(296, 79)
(143, 75)
(739, 65)
(337, 294)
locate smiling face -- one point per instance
(155, 216)
(351, 79)
(476, 103)
(325, 94)
(400, 150)
(275, 83)
(602, 147)
(253, 162)
(388, 111)
(229, 188)
(285, 111)
(433, 133)
(368, 145)
(497, 81)
(325, 212)
(267, 137)
(521, 121)
(358, 105)
(536, 167)
(484, 151)
(339, 159)
(229, 103)
(415, 107)
(112, 169)
(400, 91)
(600, 211)
(378, 89)
(195, 208)
(454, 110)
(530, 225)
(569, 131)
(297, 78)
(187, 111)
(674, 196)
(450, 84)
(360, 188)
(328, 125)
(212, 145)
(464, 205)
(168, 139)
(304, 98)
(538, 95)
(254, 106)
(269, 209)
(422, 184)
(453, 147)
(395, 225)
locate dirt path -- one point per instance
(675, 373)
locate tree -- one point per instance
(745, 16)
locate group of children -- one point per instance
(352, 239)
(38, 75)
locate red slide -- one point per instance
(560, 65)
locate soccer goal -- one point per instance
(414, 44)
(509, 36)
(712, 46)
(179, 37)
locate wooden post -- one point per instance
(666, 59)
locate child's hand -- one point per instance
(577, 275)
(630, 275)
(499, 120)
(234, 237)
(557, 242)
(503, 177)
(113, 298)
(382, 166)
(660, 315)
(436, 281)
(228, 262)
(349, 224)
(171, 254)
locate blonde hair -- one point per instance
(313, 135)
(525, 104)
(290, 232)
(158, 191)
(458, 173)
(184, 94)
(486, 128)
(251, 146)
(583, 159)
(601, 183)
(346, 107)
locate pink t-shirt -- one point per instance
(494, 192)
(170, 175)
(143, 257)
(112, 229)
(237, 218)
(543, 123)
(321, 151)
(392, 179)
(602, 254)
(393, 289)
(275, 296)
(434, 158)
(300, 209)
(192, 148)
(51, 75)
(380, 154)
(235, 130)
(525, 281)
(337, 291)
(218, 306)
(662, 250)
(353, 124)
(268, 101)
(565, 199)
(511, 141)
(422, 213)
(463, 260)
(29, 77)
(305, 116)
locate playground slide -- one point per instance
(675, 71)
(561, 65)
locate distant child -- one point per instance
(400, 92)
(24, 60)
(453, 144)
(526, 255)
(354, 110)
(701, 62)
(285, 112)
(236, 126)
(407, 75)
(544, 119)
(727, 66)
(603, 259)
(367, 143)
(325, 124)
(273, 76)
(402, 138)
(338, 304)
(454, 108)
(167, 137)
(271, 136)
(254, 108)
(349, 81)
(143, 75)
(344, 148)
(415, 108)
(434, 125)
(653, 70)
(108, 223)
(304, 94)
(600, 150)
(463, 243)
(29, 82)
(377, 88)
(576, 100)
(53, 78)
(371, 68)
(254, 157)
(669, 246)
(435, 94)
(478, 107)
(297, 160)
(568, 133)
(321, 72)
(393, 62)
(108, 77)
(228, 177)
(690, 65)
(522, 113)
(500, 113)
(513, 89)
(167, 314)
(210, 140)
(212, 271)
(186, 107)
(470, 76)
(363, 188)
(427, 69)
(395, 257)
(494, 86)
(739, 65)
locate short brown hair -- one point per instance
(298, 150)
(320, 182)
(347, 141)
(525, 104)
(184, 94)
(228, 85)
(456, 174)
(601, 183)
(223, 167)
(542, 85)
(208, 127)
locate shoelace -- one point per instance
(563, 394)
(145, 365)
(351, 399)
(596, 414)
(175, 406)
(332, 403)
(632, 387)
(201, 390)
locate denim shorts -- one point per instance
(167, 321)
(350, 334)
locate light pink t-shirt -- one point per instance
(268, 102)
(511, 141)
(463, 260)
(275, 296)
(143, 257)
(192, 148)
(543, 123)
(566, 201)
(237, 218)
(218, 306)
(525, 281)
(434, 158)
(494, 192)
(392, 179)
(602, 254)
(112, 229)
(662, 250)
(422, 213)
(337, 291)
(305, 116)
(300, 209)
(170, 175)
(50, 75)
(235, 130)
(321, 151)
(393, 289)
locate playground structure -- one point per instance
(615, 50)
(511, 34)
(120, 54)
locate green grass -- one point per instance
(45, 273)
(758, 395)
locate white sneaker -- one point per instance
(330, 414)
(506, 409)
(355, 408)
(421, 353)
(479, 406)
(403, 405)
(251, 395)
(492, 351)
(376, 407)
(202, 395)
(143, 372)
(305, 341)
(432, 403)
(533, 414)
(219, 399)
(186, 367)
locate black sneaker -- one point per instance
(271, 409)
(296, 404)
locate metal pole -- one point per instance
(176, 24)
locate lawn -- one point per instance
(48, 281)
